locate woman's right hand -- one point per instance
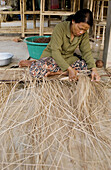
(72, 73)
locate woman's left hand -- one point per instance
(94, 75)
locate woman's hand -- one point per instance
(94, 75)
(72, 73)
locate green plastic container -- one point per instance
(35, 49)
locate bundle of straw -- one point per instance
(55, 125)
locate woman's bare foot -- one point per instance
(25, 63)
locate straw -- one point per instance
(54, 124)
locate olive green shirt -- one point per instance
(61, 48)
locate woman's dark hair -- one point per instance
(83, 15)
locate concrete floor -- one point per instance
(18, 49)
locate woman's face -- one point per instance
(78, 29)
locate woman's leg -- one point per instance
(78, 65)
(47, 67)
(44, 67)
(49, 73)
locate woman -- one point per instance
(58, 57)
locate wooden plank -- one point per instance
(32, 12)
(10, 30)
(13, 74)
(32, 31)
(9, 12)
(47, 30)
(16, 29)
(62, 13)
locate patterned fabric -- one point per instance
(39, 68)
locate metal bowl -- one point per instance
(5, 58)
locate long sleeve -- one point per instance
(86, 51)
(56, 47)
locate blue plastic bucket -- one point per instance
(35, 49)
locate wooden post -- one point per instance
(43, 17)
(78, 5)
(91, 5)
(49, 7)
(34, 16)
(107, 43)
(21, 14)
(24, 19)
(0, 20)
(41, 5)
(42, 8)
(104, 27)
(74, 4)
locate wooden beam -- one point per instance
(107, 43)
(12, 74)
(9, 12)
(14, 29)
(32, 12)
(60, 13)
